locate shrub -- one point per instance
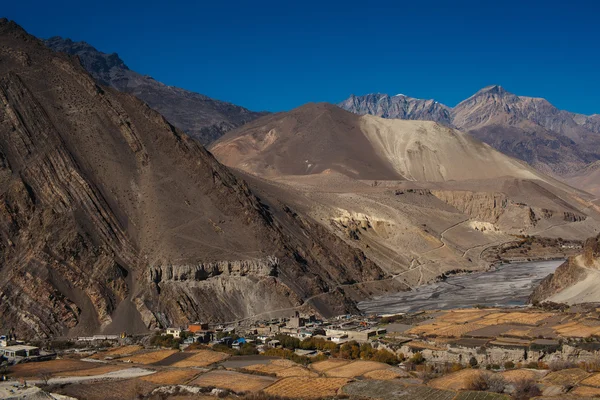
(559, 365)
(509, 365)
(526, 389)
(417, 358)
(473, 362)
(488, 382)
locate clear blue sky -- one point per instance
(278, 55)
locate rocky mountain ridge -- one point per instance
(531, 129)
(105, 207)
(200, 116)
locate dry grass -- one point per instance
(427, 329)
(456, 381)
(586, 391)
(306, 388)
(150, 357)
(296, 371)
(515, 375)
(463, 316)
(109, 390)
(459, 330)
(235, 381)
(577, 329)
(201, 358)
(593, 380)
(104, 369)
(117, 352)
(171, 377)
(52, 367)
(354, 369)
(385, 374)
(325, 365)
(270, 368)
(566, 377)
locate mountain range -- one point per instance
(531, 129)
(113, 219)
(199, 116)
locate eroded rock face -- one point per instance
(113, 220)
(570, 272)
(203, 271)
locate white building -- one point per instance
(176, 332)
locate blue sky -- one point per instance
(279, 55)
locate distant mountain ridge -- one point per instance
(529, 128)
(200, 116)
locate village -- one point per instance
(436, 350)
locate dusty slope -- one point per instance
(112, 219)
(307, 140)
(439, 217)
(319, 137)
(588, 178)
(197, 115)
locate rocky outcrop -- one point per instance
(569, 273)
(203, 271)
(482, 206)
(398, 106)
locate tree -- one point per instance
(473, 362)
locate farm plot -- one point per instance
(97, 370)
(117, 352)
(586, 391)
(463, 316)
(296, 371)
(309, 388)
(386, 374)
(473, 395)
(593, 380)
(395, 390)
(456, 381)
(108, 390)
(566, 377)
(282, 369)
(151, 357)
(354, 369)
(515, 375)
(234, 381)
(51, 367)
(325, 365)
(172, 377)
(201, 358)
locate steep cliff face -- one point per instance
(574, 281)
(111, 219)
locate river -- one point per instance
(506, 285)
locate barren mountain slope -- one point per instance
(587, 178)
(112, 219)
(197, 115)
(307, 140)
(457, 196)
(531, 129)
(319, 137)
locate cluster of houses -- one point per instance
(14, 349)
